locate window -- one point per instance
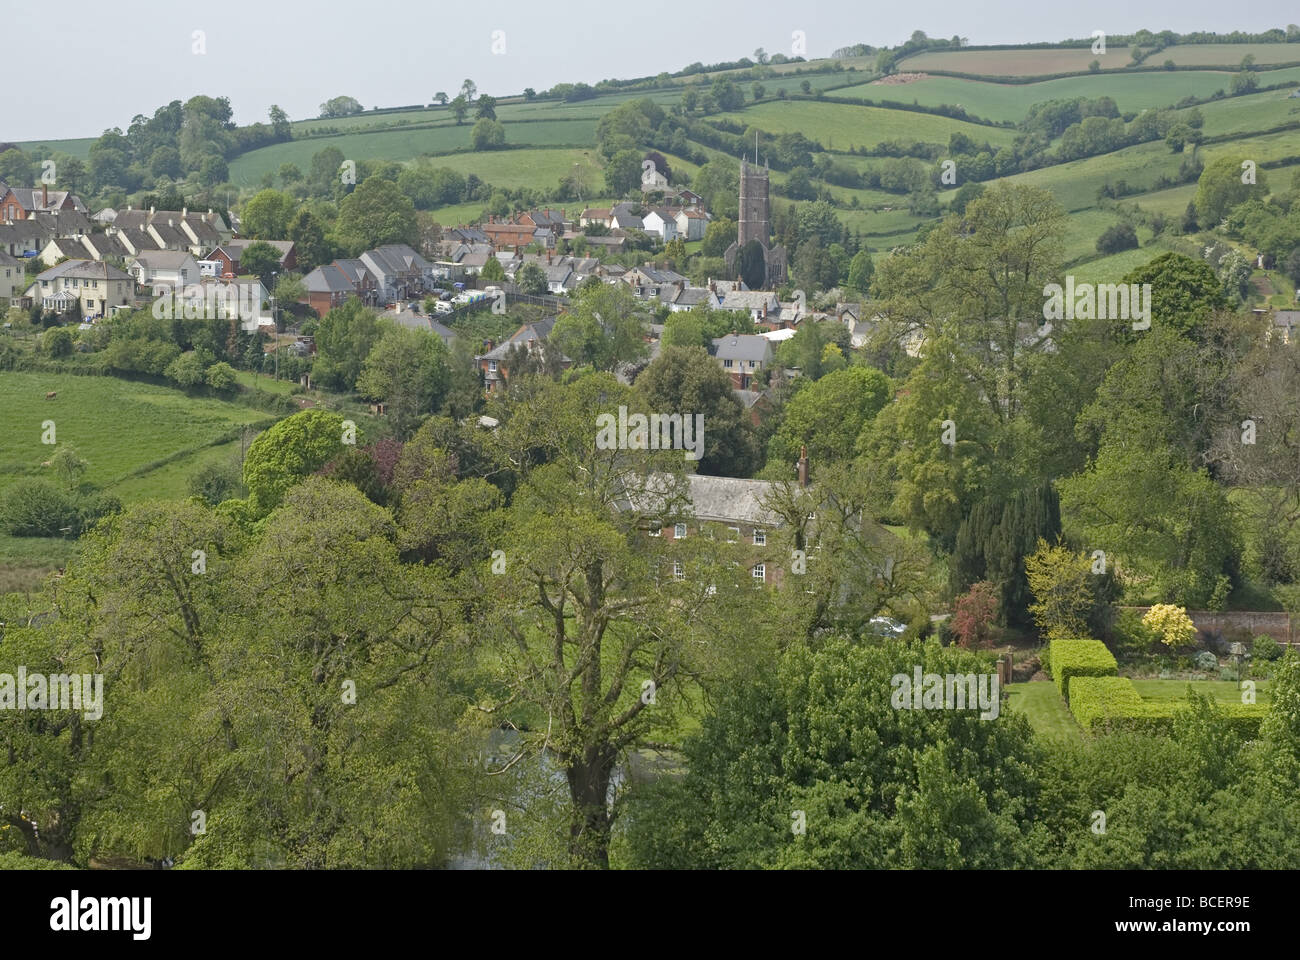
(760, 538)
(656, 532)
(759, 573)
(679, 530)
(735, 534)
(751, 364)
(727, 364)
(492, 366)
(679, 572)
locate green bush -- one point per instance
(1206, 660)
(1094, 699)
(1265, 647)
(34, 507)
(1157, 718)
(1080, 658)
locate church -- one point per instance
(756, 224)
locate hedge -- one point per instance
(1080, 658)
(1103, 698)
(1112, 704)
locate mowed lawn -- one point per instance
(133, 435)
(1043, 705)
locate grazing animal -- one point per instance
(51, 395)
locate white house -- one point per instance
(11, 277)
(175, 268)
(692, 224)
(661, 224)
(98, 286)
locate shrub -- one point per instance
(1080, 658)
(1206, 660)
(1171, 624)
(34, 507)
(1265, 647)
(1121, 236)
(973, 616)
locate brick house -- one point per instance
(228, 254)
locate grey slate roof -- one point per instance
(743, 346)
(723, 499)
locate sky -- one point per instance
(140, 54)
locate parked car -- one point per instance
(445, 295)
(886, 627)
(443, 307)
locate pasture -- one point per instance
(841, 126)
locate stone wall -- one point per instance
(1212, 624)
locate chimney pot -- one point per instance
(151, 211)
(803, 466)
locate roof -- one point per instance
(723, 499)
(538, 330)
(749, 300)
(742, 346)
(91, 269)
(163, 259)
(235, 248)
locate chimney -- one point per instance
(803, 466)
(45, 195)
(185, 212)
(151, 212)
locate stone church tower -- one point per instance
(756, 224)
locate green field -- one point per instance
(840, 126)
(1260, 111)
(1017, 63)
(135, 437)
(1037, 63)
(1010, 101)
(405, 144)
(1075, 184)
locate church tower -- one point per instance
(756, 222)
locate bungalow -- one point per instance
(229, 254)
(137, 240)
(98, 286)
(175, 268)
(743, 356)
(102, 246)
(24, 238)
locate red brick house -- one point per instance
(228, 254)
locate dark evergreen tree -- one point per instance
(994, 539)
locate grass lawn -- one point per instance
(1042, 704)
(1018, 63)
(1224, 691)
(25, 561)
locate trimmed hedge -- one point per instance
(1112, 704)
(1094, 699)
(1080, 658)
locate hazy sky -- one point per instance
(138, 54)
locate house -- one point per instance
(102, 246)
(491, 363)
(18, 203)
(742, 356)
(12, 279)
(661, 223)
(622, 217)
(98, 286)
(594, 215)
(1286, 324)
(220, 297)
(24, 238)
(687, 198)
(61, 248)
(399, 271)
(229, 253)
(760, 305)
(692, 224)
(175, 268)
(331, 284)
(737, 510)
(688, 298)
(509, 233)
(652, 180)
(559, 278)
(137, 240)
(182, 229)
